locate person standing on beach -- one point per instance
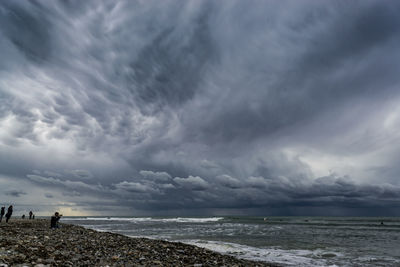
(30, 215)
(3, 210)
(9, 213)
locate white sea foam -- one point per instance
(120, 219)
(276, 255)
(148, 219)
(190, 220)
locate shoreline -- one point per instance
(33, 243)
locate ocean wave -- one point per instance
(280, 256)
(193, 220)
(149, 219)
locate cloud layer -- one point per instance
(199, 107)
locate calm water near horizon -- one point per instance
(296, 241)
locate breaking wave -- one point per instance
(148, 219)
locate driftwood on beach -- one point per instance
(32, 243)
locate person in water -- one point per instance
(3, 210)
(9, 213)
(30, 215)
(54, 220)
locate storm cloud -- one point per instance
(200, 107)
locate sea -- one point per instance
(287, 241)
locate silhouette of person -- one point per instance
(9, 213)
(33, 216)
(54, 220)
(3, 210)
(30, 215)
(23, 216)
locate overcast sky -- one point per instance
(200, 107)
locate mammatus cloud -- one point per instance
(200, 107)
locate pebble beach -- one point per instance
(33, 243)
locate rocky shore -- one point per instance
(32, 243)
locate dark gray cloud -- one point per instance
(201, 106)
(27, 28)
(15, 193)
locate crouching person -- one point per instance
(54, 220)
